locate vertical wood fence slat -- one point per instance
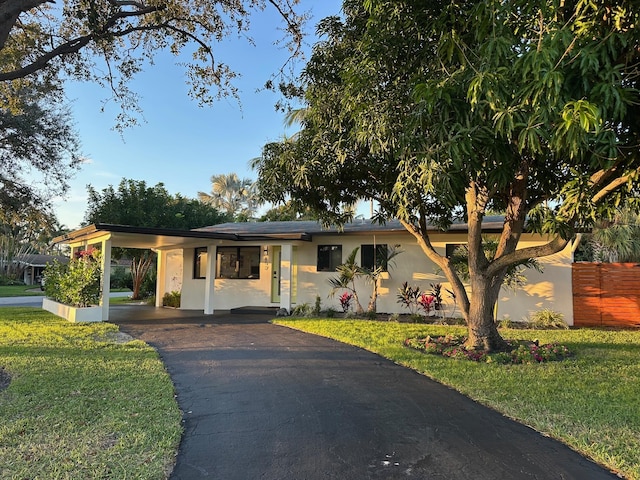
(606, 294)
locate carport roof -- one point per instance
(149, 237)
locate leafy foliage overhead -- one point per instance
(47, 41)
(444, 110)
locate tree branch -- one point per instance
(614, 185)
(74, 45)
(554, 246)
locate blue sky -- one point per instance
(179, 143)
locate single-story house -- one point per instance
(284, 264)
(33, 265)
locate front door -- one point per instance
(275, 276)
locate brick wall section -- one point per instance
(606, 294)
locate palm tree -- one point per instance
(619, 240)
(237, 197)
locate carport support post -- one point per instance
(210, 280)
(160, 277)
(106, 278)
(286, 270)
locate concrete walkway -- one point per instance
(270, 403)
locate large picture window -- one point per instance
(374, 256)
(200, 263)
(238, 262)
(329, 257)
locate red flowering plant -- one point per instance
(427, 303)
(345, 301)
(519, 353)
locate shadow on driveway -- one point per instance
(265, 402)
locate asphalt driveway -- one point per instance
(265, 402)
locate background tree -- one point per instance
(237, 197)
(136, 204)
(44, 43)
(616, 240)
(286, 213)
(36, 139)
(51, 41)
(443, 111)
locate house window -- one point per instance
(374, 256)
(450, 248)
(200, 263)
(329, 257)
(238, 262)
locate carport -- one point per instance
(107, 236)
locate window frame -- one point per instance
(243, 262)
(378, 250)
(333, 251)
(200, 253)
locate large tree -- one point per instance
(44, 43)
(444, 110)
(134, 203)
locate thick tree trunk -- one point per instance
(482, 329)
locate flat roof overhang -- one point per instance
(127, 236)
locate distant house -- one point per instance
(283, 264)
(33, 265)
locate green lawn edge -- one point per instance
(590, 401)
(84, 401)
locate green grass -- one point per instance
(81, 405)
(20, 290)
(590, 401)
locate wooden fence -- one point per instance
(606, 294)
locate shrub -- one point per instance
(330, 312)
(408, 297)
(148, 285)
(171, 299)
(120, 278)
(317, 308)
(547, 318)
(302, 310)
(78, 282)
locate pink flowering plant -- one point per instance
(345, 301)
(452, 346)
(427, 303)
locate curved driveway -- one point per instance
(265, 402)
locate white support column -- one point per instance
(106, 278)
(210, 280)
(161, 281)
(286, 275)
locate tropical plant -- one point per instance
(408, 297)
(348, 273)
(76, 283)
(232, 195)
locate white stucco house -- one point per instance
(284, 264)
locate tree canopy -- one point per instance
(134, 203)
(45, 43)
(446, 110)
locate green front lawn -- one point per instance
(80, 403)
(590, 401)
(20, 290)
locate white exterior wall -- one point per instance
(229, 293)
(550, 289)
